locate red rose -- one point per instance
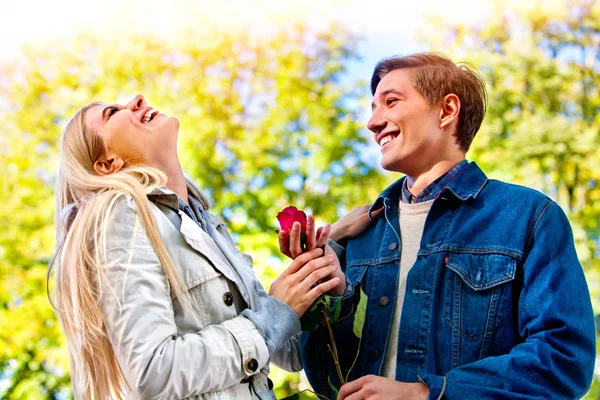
(288, 216)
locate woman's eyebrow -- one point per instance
(106, 109)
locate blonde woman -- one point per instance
(154, 298)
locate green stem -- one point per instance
(355, 359)
(334, 352)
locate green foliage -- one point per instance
(264, 123)
(360, 315)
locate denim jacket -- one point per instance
(496, 304)
(206, 350)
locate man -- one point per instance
(474, 287)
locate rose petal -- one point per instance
(288, 216)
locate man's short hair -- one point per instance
(435, 76)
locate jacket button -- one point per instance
(270, 383)
(228, 298)
(384, 301)
(393, 246)
(373, 354)
(252, 365)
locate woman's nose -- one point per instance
(136, 103)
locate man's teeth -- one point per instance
(149, 115)
(386, 140)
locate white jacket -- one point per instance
(210, 352)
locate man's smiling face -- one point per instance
(405, 125)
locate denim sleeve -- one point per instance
(556, 323)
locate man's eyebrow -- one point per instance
(385, 93)
(394, 91)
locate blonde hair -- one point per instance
(84, 201)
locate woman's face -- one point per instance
(135, 132)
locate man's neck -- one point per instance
(418, 182)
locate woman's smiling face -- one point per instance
(135, 132)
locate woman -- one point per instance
(153, 296)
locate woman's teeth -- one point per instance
(151, 113)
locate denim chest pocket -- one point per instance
(477, 291)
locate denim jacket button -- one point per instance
(384, 301)
(373, 354)
(393, 246)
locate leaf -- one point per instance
(359, 316)
(335, 310)
(335, 390)
(312, 317)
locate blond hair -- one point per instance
(84, 202)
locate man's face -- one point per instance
(405, 126)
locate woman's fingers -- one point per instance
(284, 243)
(317, 275)
(322, 288)
(296, 240)
(310, 233)
(301, 260)
(314, 265)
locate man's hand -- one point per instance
(353, 224)
(374, 387)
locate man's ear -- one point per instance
(105, 166)
(450, 110)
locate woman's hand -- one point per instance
(353, 224)
(290, 245)
(302, 283)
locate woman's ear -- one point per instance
(106, 166)
(450, 110)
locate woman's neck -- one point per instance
(175, 179)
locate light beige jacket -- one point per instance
(168, 352)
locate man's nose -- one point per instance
(136, 103)
(376, 123)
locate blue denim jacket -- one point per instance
(496, 304)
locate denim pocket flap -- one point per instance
(355, 274)
(482, 271)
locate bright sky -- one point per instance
(387, 26)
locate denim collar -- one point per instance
(468, 183)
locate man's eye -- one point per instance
(389, 102)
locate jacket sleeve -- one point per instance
(139, 318)
(556, 322)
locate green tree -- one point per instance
(541, 62)
(265, 123)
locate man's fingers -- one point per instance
(375, 213)
(323, 235)
(296, 240)
(350, 387)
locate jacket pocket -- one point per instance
(477, 288)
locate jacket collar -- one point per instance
(165, 197)
(468, 183)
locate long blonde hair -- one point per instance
(84, 200)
